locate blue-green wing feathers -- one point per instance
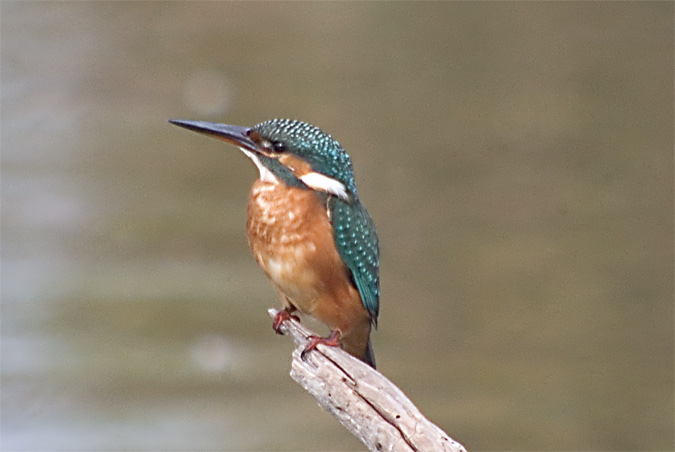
(357, 244)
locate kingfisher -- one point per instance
(308, 230)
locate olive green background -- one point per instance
(517, 158)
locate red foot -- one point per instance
(333, 340)
(280, 318)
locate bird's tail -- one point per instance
(369, 357)
(357, 343)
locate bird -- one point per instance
(308, 230)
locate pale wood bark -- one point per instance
(370, 406)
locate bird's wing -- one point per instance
(357, 244)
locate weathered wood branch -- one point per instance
(370, 406)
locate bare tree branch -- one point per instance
(370, 406)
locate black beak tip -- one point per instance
(236, 135)
(196, 126)
(180, 122)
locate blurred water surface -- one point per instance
(517, 158)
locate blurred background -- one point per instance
(517, 158)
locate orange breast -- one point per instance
(292, 239)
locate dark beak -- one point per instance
(236, 135)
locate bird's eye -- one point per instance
(278, 146)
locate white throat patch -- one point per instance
(265, 174)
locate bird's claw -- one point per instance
(333, 340)
(280, 318)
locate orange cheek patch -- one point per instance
(297, 166)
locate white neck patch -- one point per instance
(321, 182)
(313, 180)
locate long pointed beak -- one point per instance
(236, 135)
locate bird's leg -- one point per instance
(281, 317)
(333, 340)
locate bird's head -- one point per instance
(289, 151)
